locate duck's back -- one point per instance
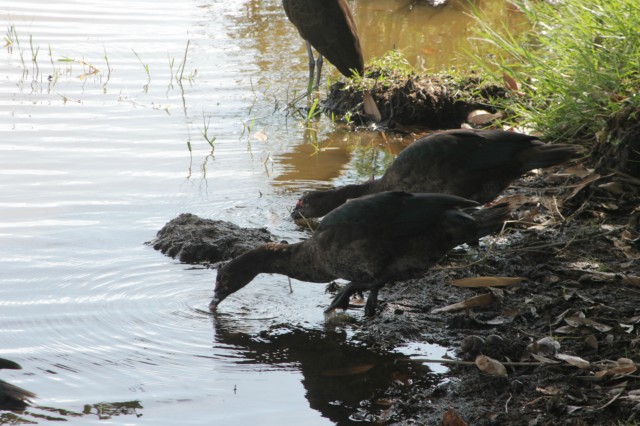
(392, 235)
(472, 164)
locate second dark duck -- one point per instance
(369, 241)
(473, 164)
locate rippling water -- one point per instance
(100, 145)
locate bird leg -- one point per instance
(342, 298)
(319, 63)
(312, 68)
(372, 301)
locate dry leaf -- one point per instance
(510, 83)
(548, 390)
(490, 366)
(348, 371)
(451, 418)
(574, 360)
(591, 341)
(576, 321)
(515, 200)
(583, 184)
(481, 300)
(578, 170)
(480, 117)
(543, 359)
(370, 108)
(622, 366)
(487, 281)
(613, 187)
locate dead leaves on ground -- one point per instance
(481, 300)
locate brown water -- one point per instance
(100, 146)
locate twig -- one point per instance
(457, 362)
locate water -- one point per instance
(100, 146)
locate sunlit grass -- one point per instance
(577, 66)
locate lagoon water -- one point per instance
(116, 116)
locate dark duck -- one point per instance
(12, 397)
(370, 241)
(473, 164)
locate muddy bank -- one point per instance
(438, 101)
(192, 239)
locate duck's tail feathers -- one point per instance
(491, 219)
(549, 155)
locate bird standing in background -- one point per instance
(370, 241)
(473, 164)
(328, 26)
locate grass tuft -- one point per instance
(577, 66)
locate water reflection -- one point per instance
(343, 379)
(432, 38)
(342, 154)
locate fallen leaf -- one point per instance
(591, 341)
(370, 108)
(577, 170)
(515, 200)
(576, 321)
(583, 184)
(510, 83)
(490, 366)
(451, 418)
(613, 187)
(574, 360)
(476, 301)
(480, 117)
(548, 390)
(487, 281)
(543, 359)
(566, 329)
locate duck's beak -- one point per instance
(215, 301)
(295, 214)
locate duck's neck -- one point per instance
(294, 260)
(356, 190)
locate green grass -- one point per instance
(577, 66)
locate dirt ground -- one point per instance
(578, 257)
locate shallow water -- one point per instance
(100, 146)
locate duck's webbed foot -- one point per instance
(372, 302)
(342, 298)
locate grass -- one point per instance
(575, 69)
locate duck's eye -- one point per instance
(300, 203)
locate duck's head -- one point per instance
(232, 277)
(314, 204)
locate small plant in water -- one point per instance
(205, 131)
